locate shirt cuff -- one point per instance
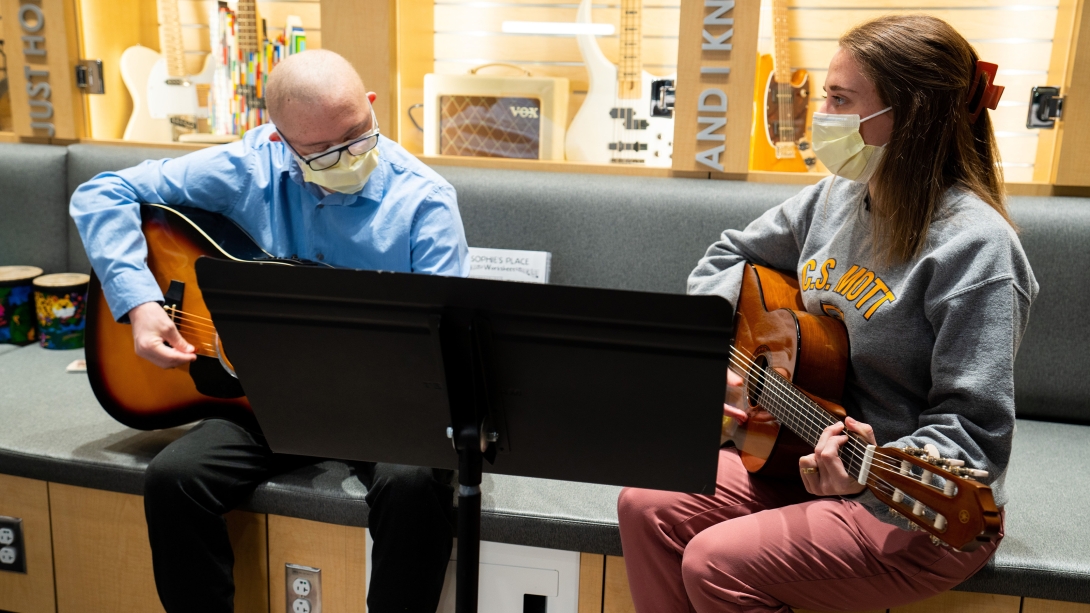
(130, 289)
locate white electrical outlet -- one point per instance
(7, 536)
(8, 555)
(303, 588)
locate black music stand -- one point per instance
(579, 384)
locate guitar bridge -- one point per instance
(785, 150)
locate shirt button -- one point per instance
(320, 257)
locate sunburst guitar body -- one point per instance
(793, 365)
(136, 392)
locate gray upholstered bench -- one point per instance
(604, 231)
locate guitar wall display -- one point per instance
(782, 102)
(627, 117)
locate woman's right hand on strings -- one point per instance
(734, 392)
(157, 339)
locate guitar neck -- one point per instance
(170, 37)
(781, 58)
(630, 67)
(248, 39)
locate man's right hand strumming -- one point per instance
(157, 339)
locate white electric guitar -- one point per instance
(617, 123)
(161, 90)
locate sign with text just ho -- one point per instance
(717, 63)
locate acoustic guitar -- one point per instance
(793, 365)
(136, 392)
(782, 99)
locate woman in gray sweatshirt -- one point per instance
(910, 244)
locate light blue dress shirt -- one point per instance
(405, 219)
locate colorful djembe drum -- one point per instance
(17, 304)
(62, 306)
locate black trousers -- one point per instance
(212, 468)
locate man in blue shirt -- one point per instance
(322, 185)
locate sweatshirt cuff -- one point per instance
(130, 289)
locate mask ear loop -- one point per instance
(873, 115)
(983, 93)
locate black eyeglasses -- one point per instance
(331, 157)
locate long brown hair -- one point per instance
(922, 67)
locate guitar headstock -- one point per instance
(960, 512)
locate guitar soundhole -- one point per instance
(756, 380)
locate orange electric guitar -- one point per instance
(793, 364)
(136, 392)
(782, 99)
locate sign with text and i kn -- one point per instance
(717, 65)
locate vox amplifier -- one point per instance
(495, 116)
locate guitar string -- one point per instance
(186, 313)
(784, 392)
(876, 480)
(854, 455)
(780, 394)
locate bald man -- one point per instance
(323, 185)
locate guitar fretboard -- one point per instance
(247, 26)
(170, 38)
(781, 58)
(630, 67)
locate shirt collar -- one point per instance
(373, 190)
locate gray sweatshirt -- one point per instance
(932, 340)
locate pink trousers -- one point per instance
(762, 545)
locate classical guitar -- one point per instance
(136, 392)
(793, 364)
(782, 99)
(627, 116)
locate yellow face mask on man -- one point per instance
(347, 176)
(838, 144)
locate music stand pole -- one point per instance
(469, 519)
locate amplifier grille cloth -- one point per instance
(489, 126)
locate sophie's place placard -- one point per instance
(509, 265)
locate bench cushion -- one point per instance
(1050, 372)
(33, 207)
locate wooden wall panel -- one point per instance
(592, 568)
(365, 33)
(1073, 135)
(964, 602)
(416, 58)
(617, 597)
(340, 551)
(1036, 605)
(32, 592)
(519, 49)
(103, 560)
(657, 21)
(107, 29)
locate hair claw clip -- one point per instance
(983, 93)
